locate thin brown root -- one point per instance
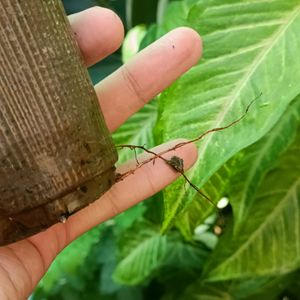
(218, 128)
(174, 166)
(175, 162)
(121, 177)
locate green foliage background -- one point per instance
(175, 245)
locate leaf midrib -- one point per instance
(244, 81)
(274, 38)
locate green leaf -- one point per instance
(249, 48)
(293, 289)
(127, 218)
(106, 255)
(192, 216)
(132, 42)
(145, 253)
(150, 36)
(175, 15)
(253, 289)
(256, 160)
(185, 256)
(71, 258)
(269, 243)
(198, 290)
(138, 130)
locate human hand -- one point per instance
(99, 32)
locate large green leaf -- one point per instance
(144, 252)
(249, 48)
(269, 243)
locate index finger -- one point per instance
(152, 70)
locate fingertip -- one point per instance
(190, 43)
(99, 32)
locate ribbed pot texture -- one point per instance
(56, 154)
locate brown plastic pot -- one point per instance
(56, 154)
